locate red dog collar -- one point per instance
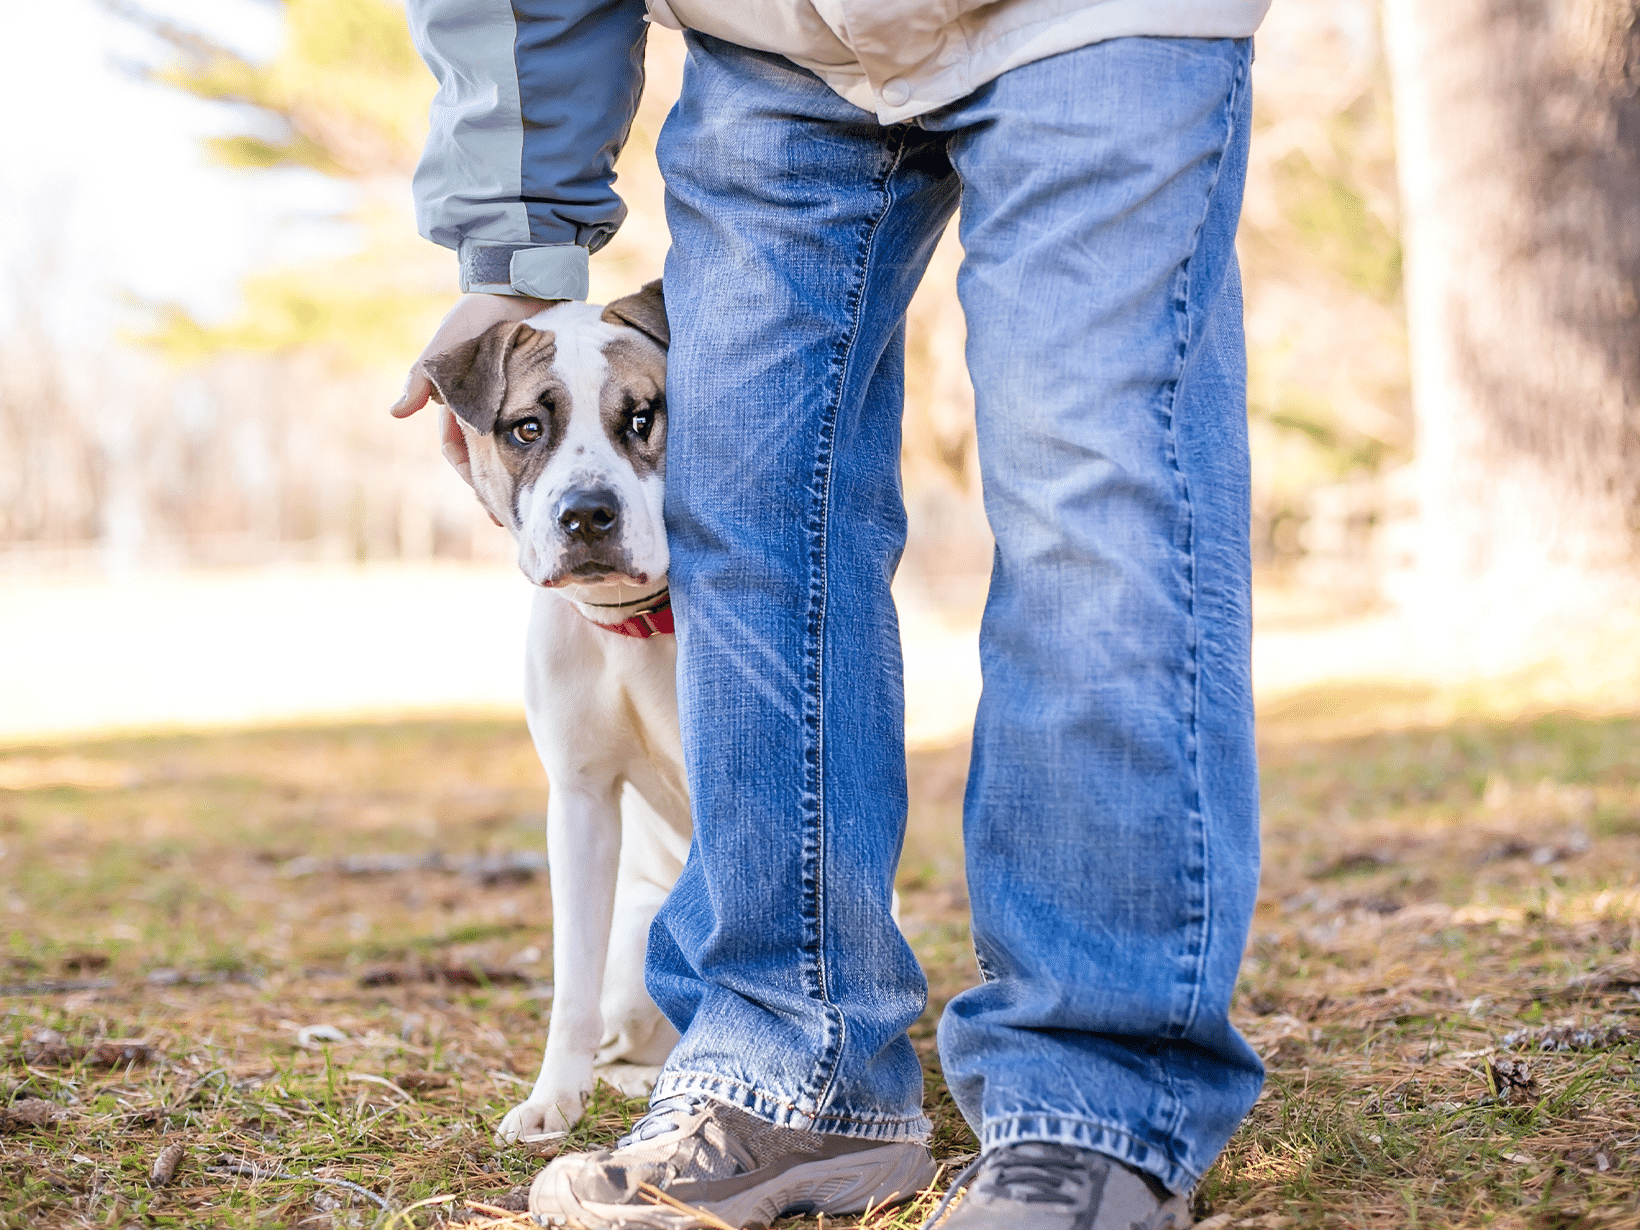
(653, 620)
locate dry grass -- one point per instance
(1428, 893)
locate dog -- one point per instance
(564, 420)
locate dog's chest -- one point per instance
(606, 704)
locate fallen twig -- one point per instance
(249, 1170)
(56, 986)
(516, 866)
(447, 975)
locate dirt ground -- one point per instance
(316, 961)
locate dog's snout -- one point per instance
(589, 513)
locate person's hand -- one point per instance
(471, 315)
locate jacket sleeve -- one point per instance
(535, 100)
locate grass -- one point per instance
(1438, 904)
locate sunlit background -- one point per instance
(210, 287)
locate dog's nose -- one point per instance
(590, 513)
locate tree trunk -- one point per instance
(1518, 147)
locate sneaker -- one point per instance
(716, 1165)
(1057, 1187)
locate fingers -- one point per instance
(417, 390)
(454, 445)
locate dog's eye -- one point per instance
(527, 431)
(640, 420)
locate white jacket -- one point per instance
(901, 58)
(536, 96)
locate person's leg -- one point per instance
(800, 228)
(1111, 815)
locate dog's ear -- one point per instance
(644, 311)
(472, 378)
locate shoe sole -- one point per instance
(851, 1183)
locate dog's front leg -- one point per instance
(583, 854)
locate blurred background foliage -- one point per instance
(346, 97)
(1328, 397)
(348, 91)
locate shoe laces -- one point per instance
(1033, 1172)
(1037, 1173)
(658, 1119)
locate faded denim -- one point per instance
(1111, 813)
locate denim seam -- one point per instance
(1185, 544)
(1109, 1138)
(827, 1063)
(1230, 104)
(766, 1106)
(1202, 930)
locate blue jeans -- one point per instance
(1111, 813)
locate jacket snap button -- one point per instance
(896, 91)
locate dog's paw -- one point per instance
(537, 1122)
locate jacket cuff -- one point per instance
(543, 271)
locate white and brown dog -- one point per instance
(564, 418)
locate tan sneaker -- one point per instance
(726, 1166)
(1043, 1186)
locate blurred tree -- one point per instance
(275, 443)
(1518, 143)
(1320, 249)
(347, 90)
(346, 97)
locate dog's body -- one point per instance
(564, 422)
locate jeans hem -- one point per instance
(783, 1113)
(1105, 1138)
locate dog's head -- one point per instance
(564, 416)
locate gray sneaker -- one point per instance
(726, 1166)
(1057, 1187)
